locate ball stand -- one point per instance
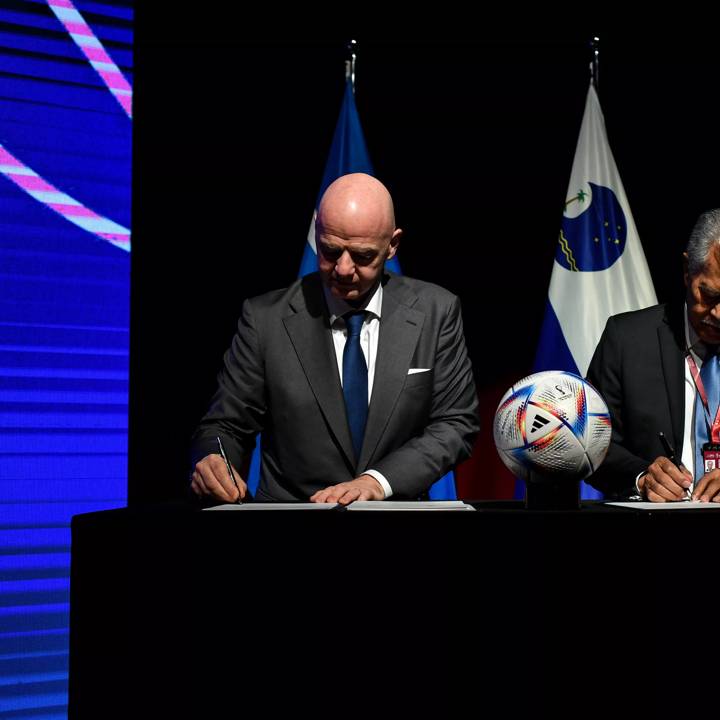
(543, 493)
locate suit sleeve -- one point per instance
(616, 476)
(238, 408)
(453, 423)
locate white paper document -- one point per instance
(409, 505)
(421, 505)
(276, 506)
(680, 505)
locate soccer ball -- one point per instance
(552, 426)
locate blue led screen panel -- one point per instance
(65, 174)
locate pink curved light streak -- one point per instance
(72, 210)
(93, 50)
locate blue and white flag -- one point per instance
(348, 154)
(600, 269)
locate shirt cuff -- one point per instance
(640, 492)
(384, 484)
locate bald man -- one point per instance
(292, 368)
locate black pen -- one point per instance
(671, 456)
(229, 468)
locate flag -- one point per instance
(600, 268)
(348, 154)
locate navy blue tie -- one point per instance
(355, 381)
(710, 374)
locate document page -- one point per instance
(276, 506)
(419, 505)
(409, 505)
(680, 505)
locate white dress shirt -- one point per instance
(369, 335)
(688, 454)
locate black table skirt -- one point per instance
(343, 614)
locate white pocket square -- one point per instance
(414, 371)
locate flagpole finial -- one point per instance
(350, 63)
(595, 62)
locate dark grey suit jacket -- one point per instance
(280, 377)
(638, 367)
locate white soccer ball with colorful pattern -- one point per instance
(552, 425)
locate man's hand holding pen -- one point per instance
(665, 481)
(212, 477)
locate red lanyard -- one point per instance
(714, 428)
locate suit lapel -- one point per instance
(309, 332)
(400, 329)
(670, 336)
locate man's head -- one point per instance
(355, 234)
(701, 262)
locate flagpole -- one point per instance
(350, 63)
(595, 63)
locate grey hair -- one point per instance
(704, 235)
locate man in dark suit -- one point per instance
(358, 379)
(648, 366)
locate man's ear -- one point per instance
(394, 243)
(686, 273)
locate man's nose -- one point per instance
(345, 265)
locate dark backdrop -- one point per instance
(476, 143)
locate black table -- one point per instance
(197, 614)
